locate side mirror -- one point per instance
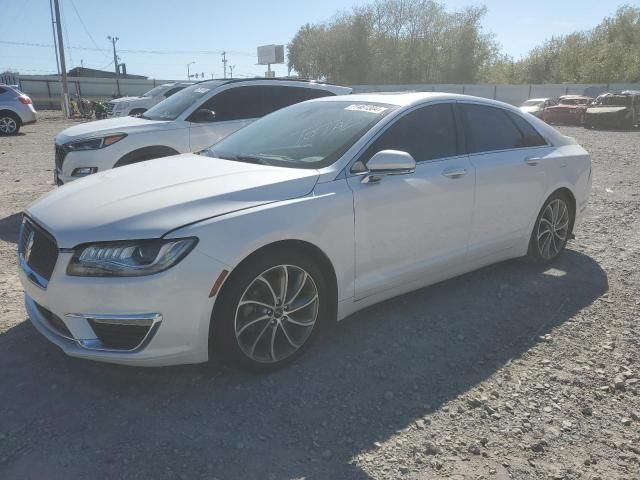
(202, 116)
(389, 162)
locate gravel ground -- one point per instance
(508, 372)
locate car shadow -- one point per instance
(370, 376)
(10, 227)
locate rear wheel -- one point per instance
(552, 229)
(270, 311)
(9, 124)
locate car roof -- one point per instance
(537, 99)
(403, 99)
(293, 82)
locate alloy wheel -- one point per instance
(8, 125)
(553, 229)
(276, 314)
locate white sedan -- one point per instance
(299, 219)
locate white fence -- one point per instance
(45, 90)
(513, 94)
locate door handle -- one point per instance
(532, 160)
(455, 172)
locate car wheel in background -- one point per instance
(270, 310)
(552, 229)
(9, 124)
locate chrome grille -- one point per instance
(37, 251)
(60, 154)
(110, 108)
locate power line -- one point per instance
(87, 30)
(153, 52)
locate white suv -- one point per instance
(121, 107)
(189, 121)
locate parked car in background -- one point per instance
(120, 107)
(16, 110)
(535, 106)
(569, 110)
(188, 121)
(306, 215)
(614, 110)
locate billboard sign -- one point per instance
(269, 54)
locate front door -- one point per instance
(407, 226)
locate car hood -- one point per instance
(532, 109)
(148, 199)
(606, 109)
(110, 125)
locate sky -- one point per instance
(158, 38)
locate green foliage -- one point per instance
(419, 41)
(394, 41)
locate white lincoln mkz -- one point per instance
(303, 217)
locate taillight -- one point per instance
(25, 100)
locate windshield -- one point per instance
(532, 103)
(306, 135)
(154, 91)
(172, 107)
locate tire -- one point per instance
(251, 329)
(9, 124)
(556, 218)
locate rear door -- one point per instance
(508, 155)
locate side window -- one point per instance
(531, 138)
(489, 128)
(237, 103)
(171, 91)
(427, 134)
(277, 97)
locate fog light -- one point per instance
(83, 171)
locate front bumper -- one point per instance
(100, 159)
(177, 301)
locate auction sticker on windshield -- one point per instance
(366, 108)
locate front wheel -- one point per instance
(552, 229)
(271, 310)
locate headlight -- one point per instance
(95, 143)
(129, 258)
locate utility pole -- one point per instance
(224, 64)
(231, 67)
(188, 71)
(63, 65)
(115, 62)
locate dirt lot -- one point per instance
(508, 372)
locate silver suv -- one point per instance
(16, 109)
